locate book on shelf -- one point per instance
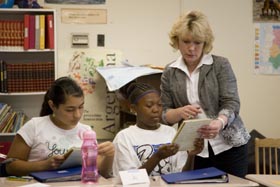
(10, 119)
(70, 174)
(4, 112)
(3, 69)
(187, 133)
(5, 79)
(31, 31)
(42, 31)
(9, 124)
(205, 175)
(30, 77)
(37, 31)
(26, 31)
(1, 76)
(5, 119)
(50, 32)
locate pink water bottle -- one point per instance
(89, 157)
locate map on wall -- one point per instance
(101, 109)
(267, 48)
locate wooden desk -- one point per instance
(265, 180)
(156, 181)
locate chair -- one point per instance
(266, 155)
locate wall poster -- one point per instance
(101, 106)
(266, 17)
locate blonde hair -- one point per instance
(195, 24)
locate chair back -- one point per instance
(266, 155)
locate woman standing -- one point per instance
(199, 85)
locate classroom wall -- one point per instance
(140, 30)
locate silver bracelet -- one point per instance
(222, 120)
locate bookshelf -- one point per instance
(30, 68)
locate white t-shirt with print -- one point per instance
(46, 139)
(133, 147)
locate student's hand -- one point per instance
(189, 111)
(167, 150)
(198, 146)
(106, 149)
(55, 161)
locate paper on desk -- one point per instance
(116, 77)
(135, 177)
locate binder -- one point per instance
(26, 32)
(31, 32)
(42, 31)
(205, 175)
(50, 32)
(70, 174)
(37, 31)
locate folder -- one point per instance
(70, 174)
(205, 175)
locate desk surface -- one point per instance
(233, 181)
(266, 180)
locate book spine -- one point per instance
(26, 32)
(1, 34)
(31, 32)
(37, 31)
(50, 32)
(2, 76)
(5, 79)
(42, 31)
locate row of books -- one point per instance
(26, 77)
(11, 33)
(35, 31)
(10, 120)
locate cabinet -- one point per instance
(30, 70)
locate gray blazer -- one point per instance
(218, 94)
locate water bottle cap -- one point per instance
(89, 135)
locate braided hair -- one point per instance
(136, 90)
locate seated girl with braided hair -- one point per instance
(147, 144)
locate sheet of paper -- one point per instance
(73, 160)
(116, 77)
(135, 176)
(187, 133)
